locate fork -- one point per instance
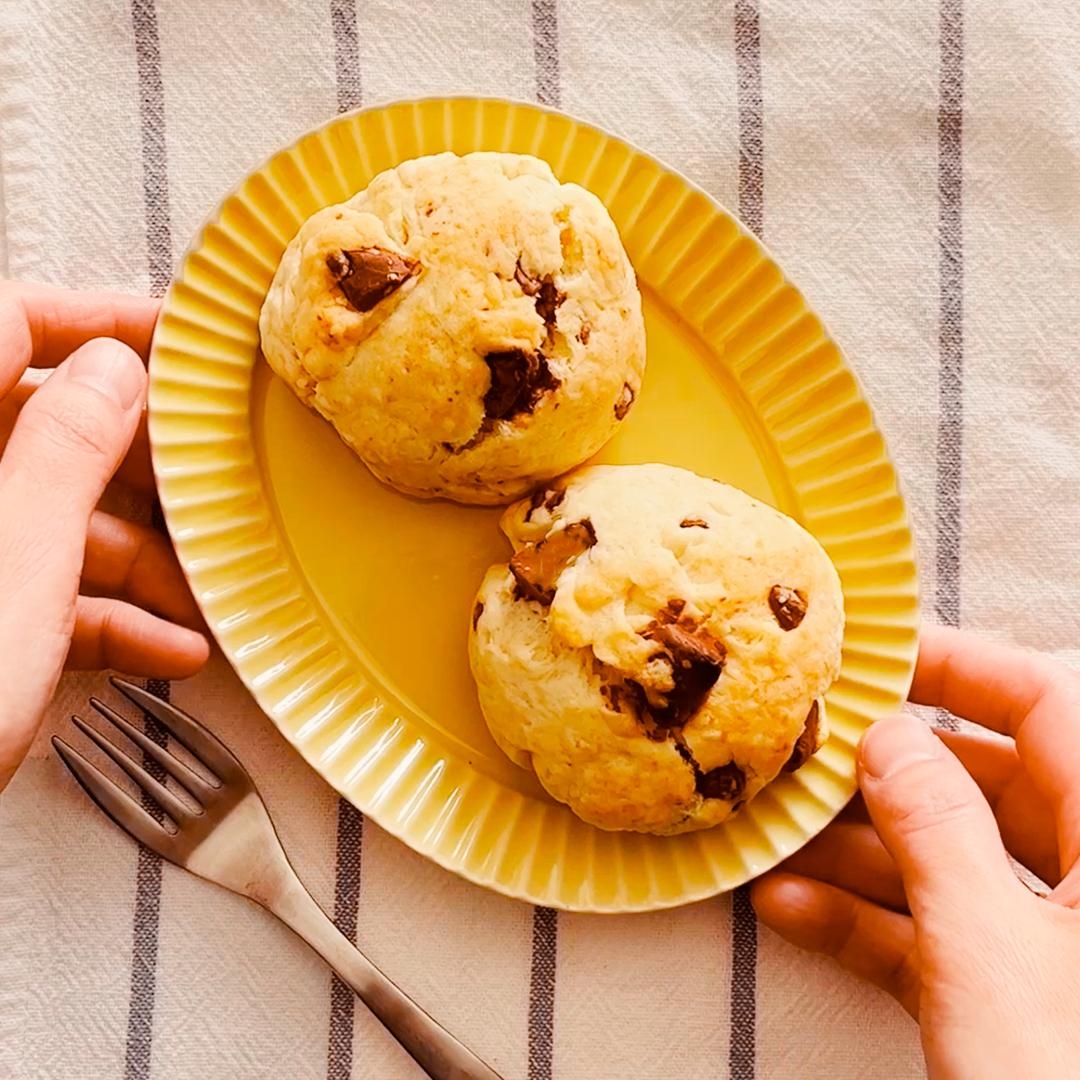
(225, 834)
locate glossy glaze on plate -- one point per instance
(344, 606)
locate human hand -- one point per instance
(62, 439)
(912, 888)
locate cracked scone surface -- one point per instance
(659, 646)
(470, 326)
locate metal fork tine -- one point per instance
(195, 784)
(206, 747)
(168, 802)
(114, 801)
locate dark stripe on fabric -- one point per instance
(350, 822)
(545, 30)
(346, 54)
(542, 992)
(138, 1055)
(744, 944)
(751, 115)
(350, 838)
(154, 161)
(950, 435)
(145, 921)
(743, 1031)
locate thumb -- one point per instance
(74, 432)
(935, 823)
(68, 441)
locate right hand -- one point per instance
(913, 891)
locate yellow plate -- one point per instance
(344, 607)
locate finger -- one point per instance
(70, 437)
(110, 634)
(855, 810)
(935, 824)
(136, 564)
(870, 942)
(1027, 696)
(41, 325)
(1025, 819)
(28, 382)
(850, 856)
(136, 470)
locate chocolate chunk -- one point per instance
(481, 434)
(686, 754)
(548, 498)
(537, 567)
(536, 500)
(585, 333)
(807, 742)
(693, 523)
(547, 294)
(548, 300)
(628, 696)
(726, 782)
(518, 379)
(476, 613)
(626, 399)
(697, 659)
(370, 274)
(636, 698)
(530, 286)
(668, 614)
(788, 605)
(613, 695)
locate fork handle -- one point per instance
(431, 1046)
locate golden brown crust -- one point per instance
(470, 326)
(651, 686)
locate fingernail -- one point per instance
(110, 368)
(893, 745)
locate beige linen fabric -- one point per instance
(915, 167)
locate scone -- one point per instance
(658, 647)
(470, 326)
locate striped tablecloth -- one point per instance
(915, 167)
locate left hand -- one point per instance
(78, 586)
